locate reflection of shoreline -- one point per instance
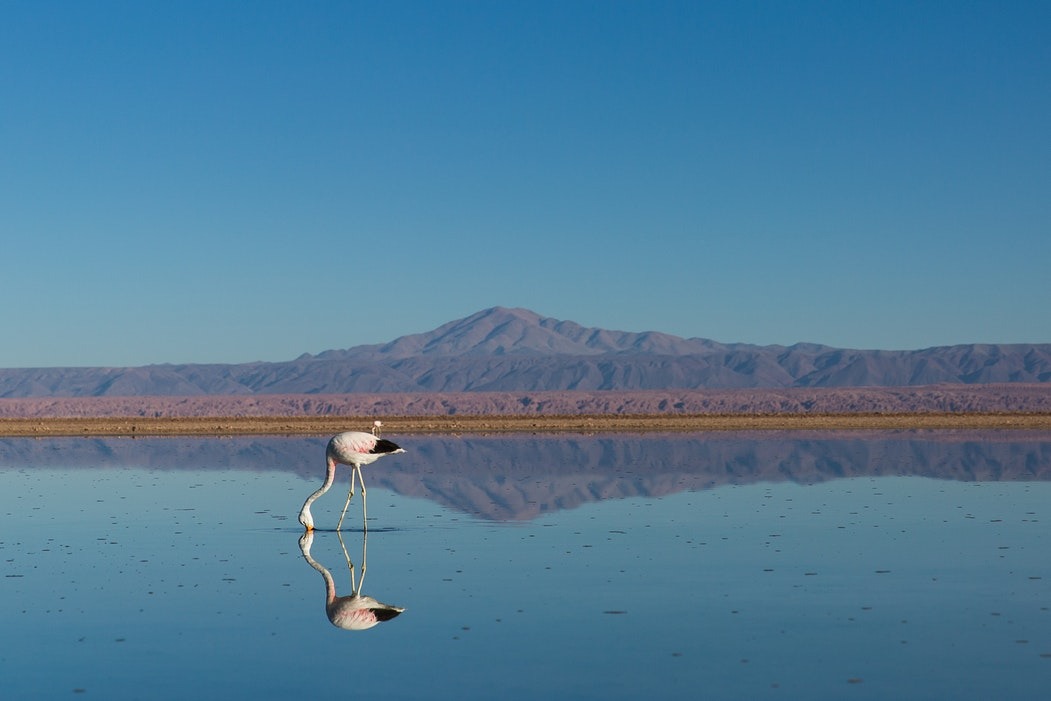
(519, 477)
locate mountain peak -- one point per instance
(522, 332)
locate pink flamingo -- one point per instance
(356, 449)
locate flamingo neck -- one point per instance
(330, 475)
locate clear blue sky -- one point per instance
(234, 181)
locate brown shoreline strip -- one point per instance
(394, 425)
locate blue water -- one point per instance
(875, 566)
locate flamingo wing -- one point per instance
(354, 442)
(360, 443)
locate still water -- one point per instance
(716, 566)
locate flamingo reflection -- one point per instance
(354, 612)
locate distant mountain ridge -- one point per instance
(503, 331)
(517, 350)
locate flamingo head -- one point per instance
(306, 519)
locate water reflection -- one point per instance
(356, 611)
(518, 478)
(926, 578)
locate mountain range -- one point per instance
(517, 350)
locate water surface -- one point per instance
(898, 565)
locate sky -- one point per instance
(225, 182)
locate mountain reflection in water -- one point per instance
(508, 478)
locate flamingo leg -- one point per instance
(350, 495)
(364, 504)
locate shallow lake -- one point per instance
(870, 565)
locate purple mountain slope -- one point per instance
(516, 350)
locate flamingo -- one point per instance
(356, 449)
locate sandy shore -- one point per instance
(394, 425)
